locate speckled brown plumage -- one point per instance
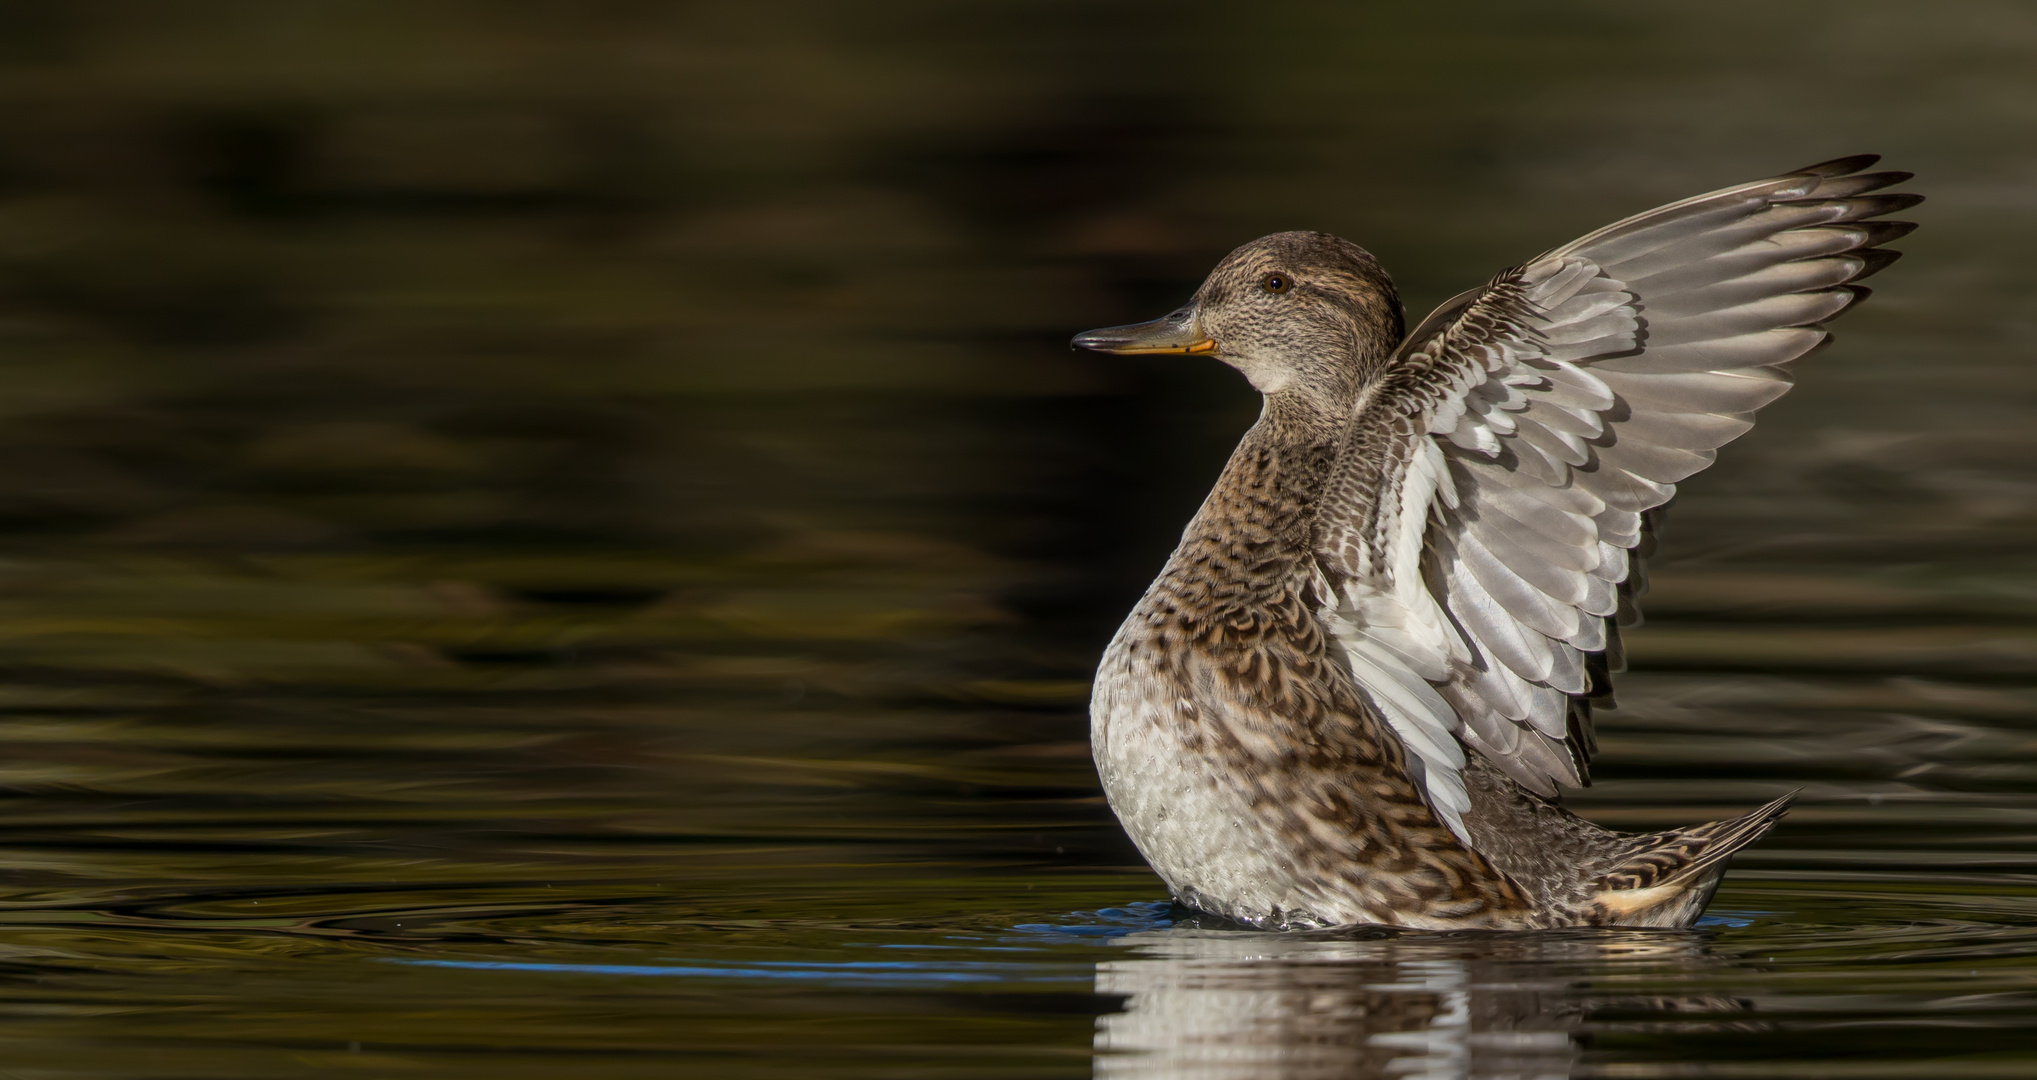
(1233, 619)
(1351, 694)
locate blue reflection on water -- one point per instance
(1107, 922)
(1734, 918)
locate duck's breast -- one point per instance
(1191, 817)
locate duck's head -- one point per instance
(1296, 312)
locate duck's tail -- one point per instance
(1667, 878)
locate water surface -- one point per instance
(566, 541)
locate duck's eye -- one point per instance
(1277, 282)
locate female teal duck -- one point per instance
(1356, 688)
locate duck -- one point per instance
(1360, 685)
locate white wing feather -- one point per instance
(1538, 421)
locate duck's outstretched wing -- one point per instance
(1481, 534)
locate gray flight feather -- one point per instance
(1566, 399)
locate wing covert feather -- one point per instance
(1539, 424)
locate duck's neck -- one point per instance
(1267, 495)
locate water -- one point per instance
(545, 540)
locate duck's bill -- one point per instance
(1178, 332)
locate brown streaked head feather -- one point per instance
(1302, 311)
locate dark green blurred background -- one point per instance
(327, 277)
(537, 481)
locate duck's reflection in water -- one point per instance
(1233, 1005)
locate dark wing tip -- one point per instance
(1882, 232)
(1877, 205)
(1837, 166)
(1874, 261)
